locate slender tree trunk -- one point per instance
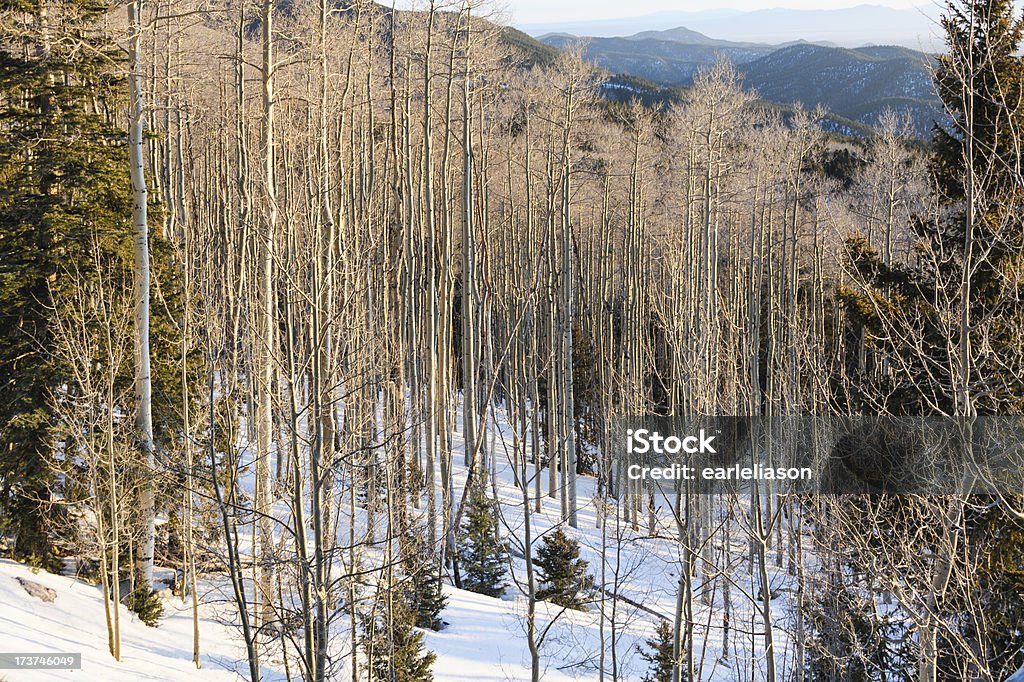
(143, 377)
(267, 320)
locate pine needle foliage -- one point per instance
(422, 588)
(563, 574)
(482, 554)
(147, 605)
(393, 646)
(64, 193)
(658, 653)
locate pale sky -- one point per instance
(549, 11)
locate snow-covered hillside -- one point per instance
(484, 638)
(74, 623)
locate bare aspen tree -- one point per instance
(143, 372)
(188, 503)
(572, 98)
(267, 320)
(470, 292)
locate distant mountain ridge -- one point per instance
(916, 28)
(857, 84)
(681, 34)
(660, 56)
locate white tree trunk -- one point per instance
(143, 379)
(267, 314)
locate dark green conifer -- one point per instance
(964, 292)
(64, 191)
(659, 654)
(563, 574)
(146, 604)
(481, 554)
(980, 79)
(974, 163)
(394, 648)
(65, 213)
(422, 587)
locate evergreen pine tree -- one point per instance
(422, 588)
(394, 648)
(849, 641)
(975, 163)
(659, 654)
(975, 166)
(563, 574)
(481, 555)
(65, 197)
(980, 78)
(969, 259)
(63, 188)
(147, 605)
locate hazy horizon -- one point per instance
(916, 27)
(526, 12)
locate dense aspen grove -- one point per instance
(272, 273)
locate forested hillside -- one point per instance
(670, 57)
(320, 320)
(857, 84)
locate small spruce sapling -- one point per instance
(563, 574)
(481, 552)
(658, 654)
(146, 604)
(394, 648)
(423, 584)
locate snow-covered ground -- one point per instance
(74, 623)
(484, 638)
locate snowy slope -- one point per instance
(484, 639)
(74, 623)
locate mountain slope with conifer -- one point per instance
(858, 84)
(854, 84)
